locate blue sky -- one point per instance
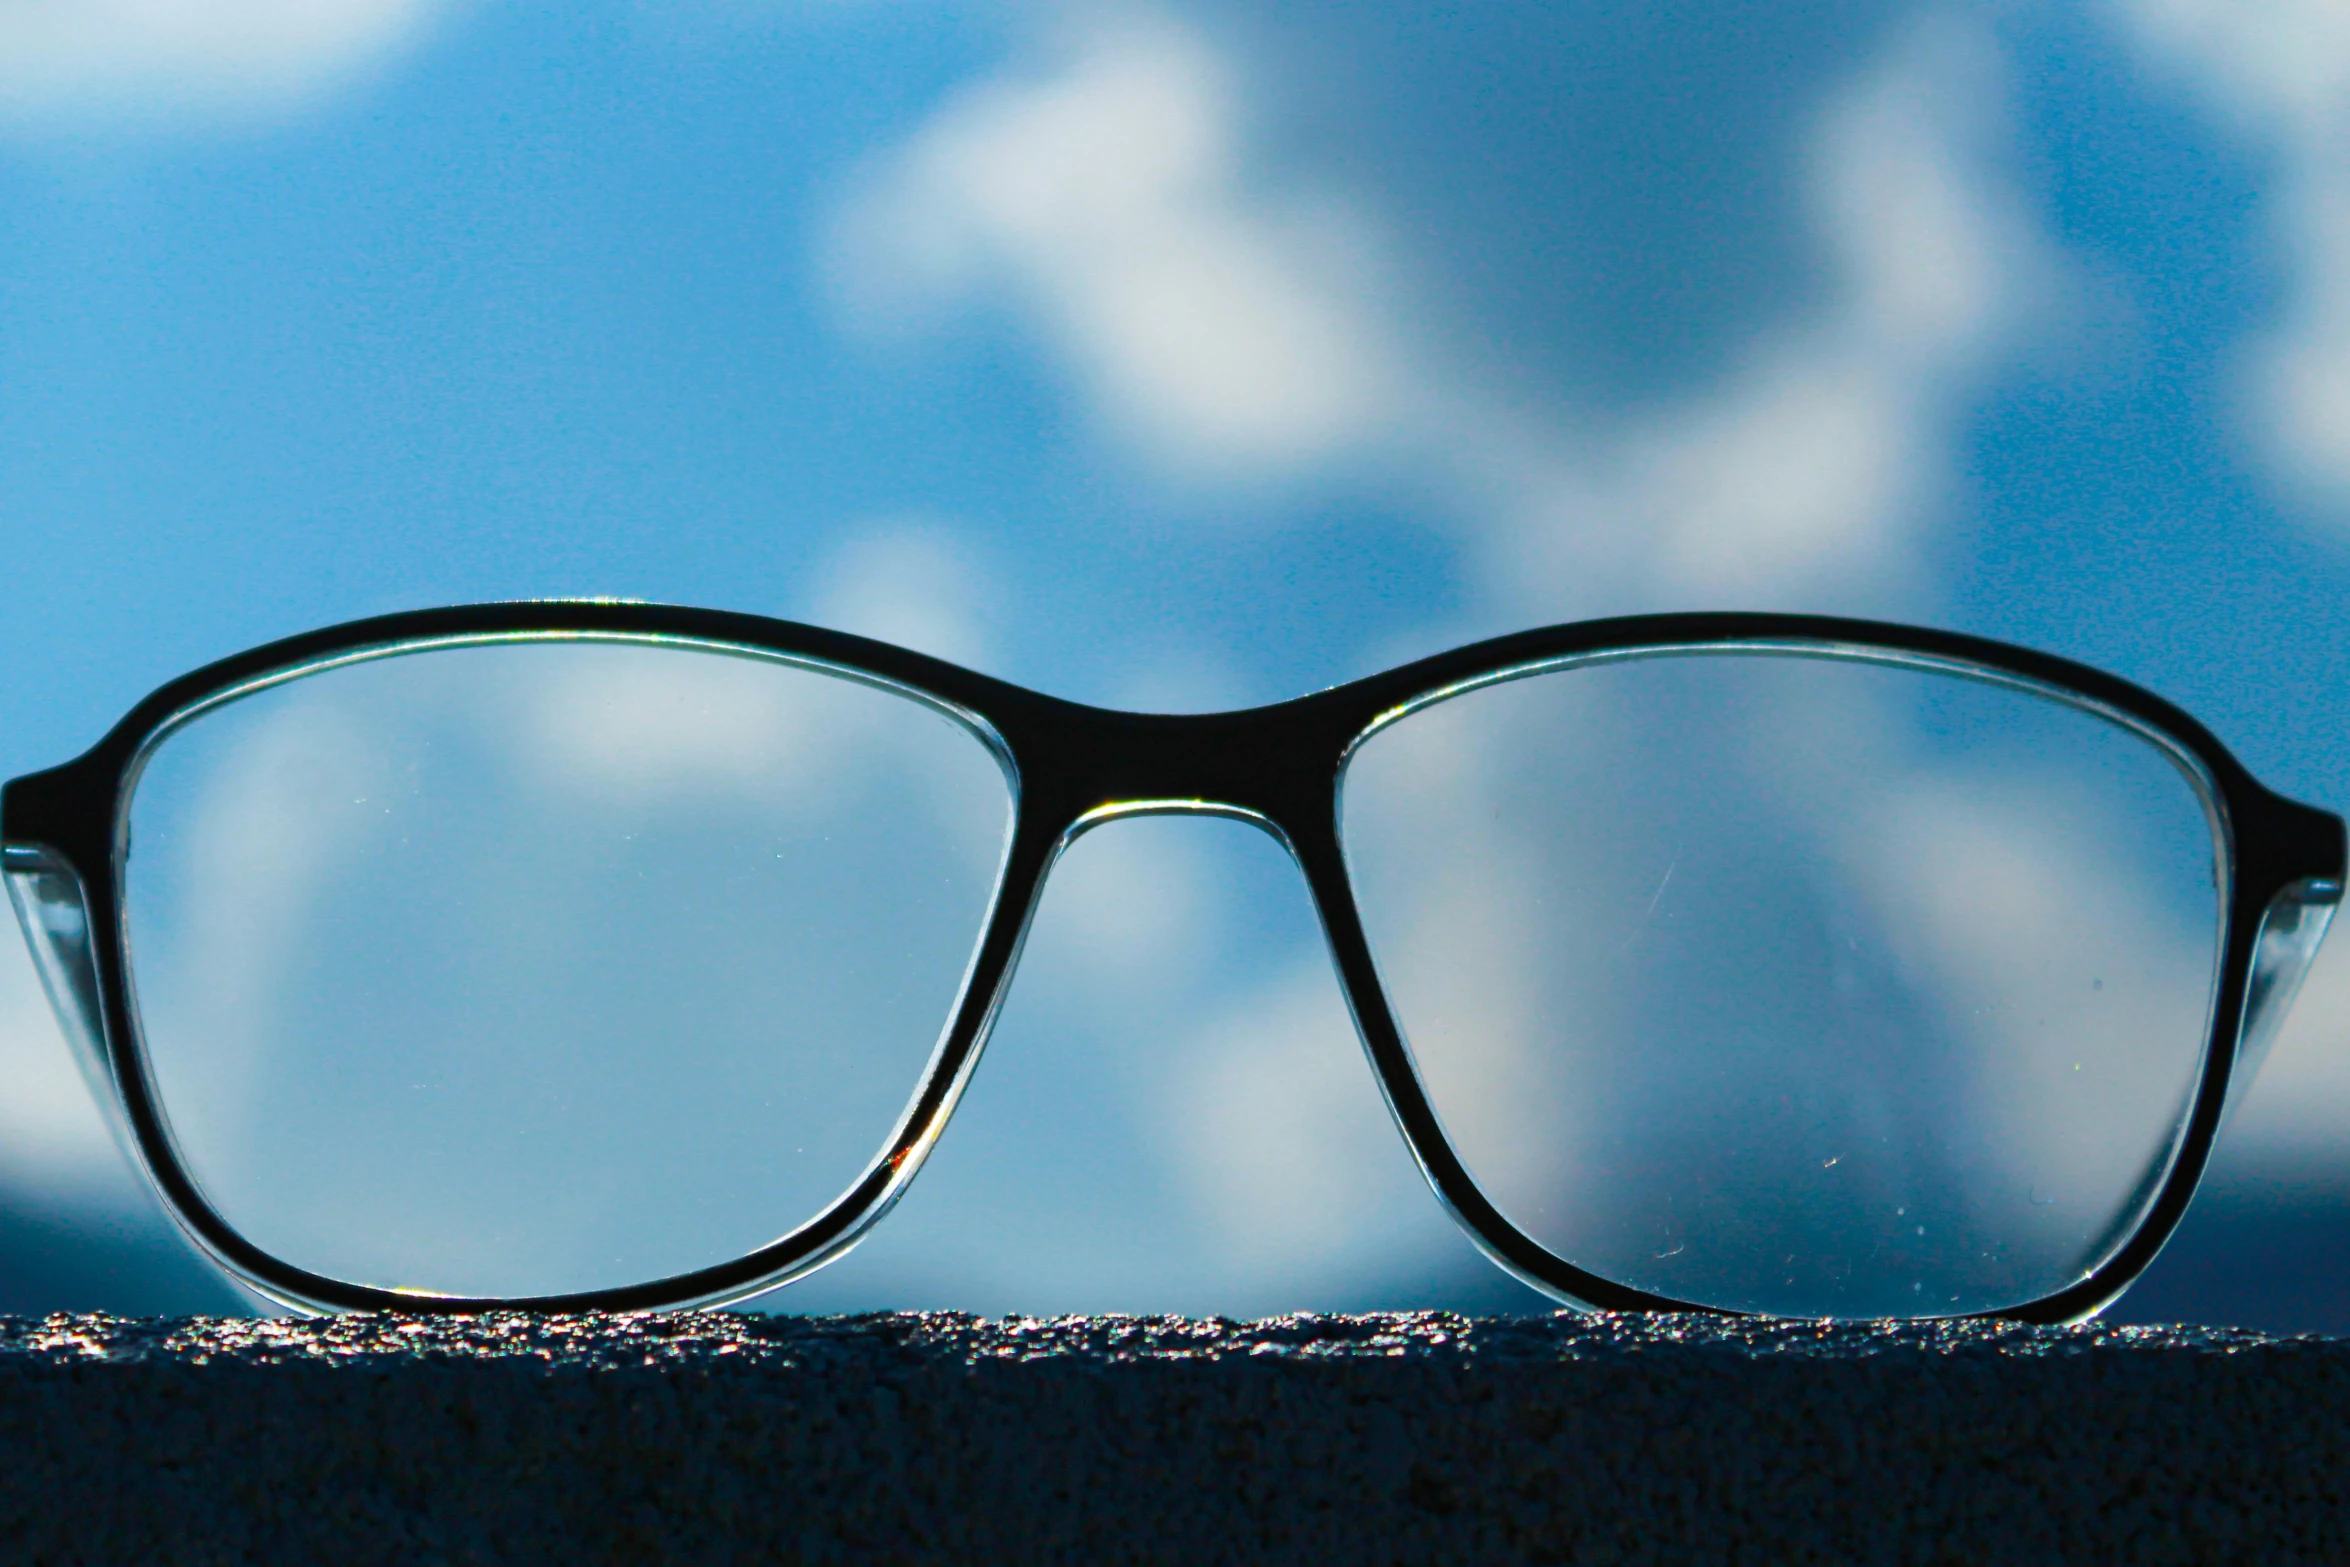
(1178, 355)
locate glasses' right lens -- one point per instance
(1795, 985)
(529, 968)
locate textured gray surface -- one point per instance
(1414, 1438)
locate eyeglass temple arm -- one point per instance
(2291, 858)
(54, 912)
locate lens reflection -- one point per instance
(529, 968)
(1794, 985)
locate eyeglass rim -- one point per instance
(1073, 766)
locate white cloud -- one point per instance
(2279, 71)
(78, 60)
(241, 818)
(1213, 325)
(1225, 326)
(913, 583)
(2281, 66)
(1136, 900)
(2303, 393)
(2016, 900)
(1291, 1156)
(637, 724)
(1806, 473)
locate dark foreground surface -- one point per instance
(1414, 1438)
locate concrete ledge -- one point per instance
(1407, 1438)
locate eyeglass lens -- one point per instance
(531, 968)
(1791, 985)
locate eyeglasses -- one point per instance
(606, 955)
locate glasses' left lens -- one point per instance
(530, 968)
(1800, 985)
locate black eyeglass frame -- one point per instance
(1073, 767)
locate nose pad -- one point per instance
(1173, 1113)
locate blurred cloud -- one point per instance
(1806, 473)
(649, 725)
(1215, 322)
(2013, 900)
(2279, 72)
(912, 582)
(1288, 1149)
(144, 60)
(1138, 904)
(1228, 324)
(232, 843)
